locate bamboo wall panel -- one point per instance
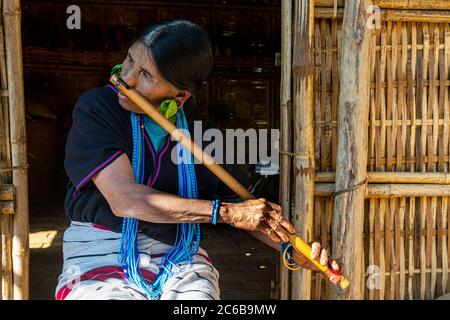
(406, 241)
(409, 97)
(406, 238)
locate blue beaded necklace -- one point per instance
(187, 240)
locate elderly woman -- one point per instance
(136, 214)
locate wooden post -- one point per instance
(304, 165)
(286, 132)
(13, 44)
(351, 161)
(6, 278)
(395, 4)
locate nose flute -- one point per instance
(120, 80)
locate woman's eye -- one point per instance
(146, 75)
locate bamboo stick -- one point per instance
(13, 44)
(304, 164)
(401, 249)
(286, 129)
(391, 15)
(381, 248)
(394, 177)
(7, 192)
(6, 280)
(334, 91)
(422, 248)
(390, 190)
(7, 207)
(413, 92)
(395, 4)
(7, 270)
(351, 165)
(372, 253)
(444, 246)
(412, 4)
(411, 247)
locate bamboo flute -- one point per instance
(214, 167)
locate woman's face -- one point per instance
(141, 74)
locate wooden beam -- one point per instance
(13, 44)
(286, 132)
(392, 15)
(391, 190)
(328, 3)
(304, 165)
(351, 159)
(7, 192)
(394, 177)
(6, 278)
(413, 4)
(395, 4)
(7, 207)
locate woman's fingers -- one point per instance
(278, 229)
(335, 265)
(278, 218)
(315, 250)
(324, 257)
(269, 232)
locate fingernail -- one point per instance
(335, 265)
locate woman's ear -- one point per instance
(182, 96)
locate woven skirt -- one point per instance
(91, 269)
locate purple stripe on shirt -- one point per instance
(112, 87)
(163, 151)
(97, 169)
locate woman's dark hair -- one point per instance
(182, 53)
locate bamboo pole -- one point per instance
(394, 177)
(413, 4)
(13, 44)
(7, 192)
(391, 15)
(286, 132)
(390, 190)
(6, 280)
(395, 4)
(304, 165)
(348, 223)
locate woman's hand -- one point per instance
(321, 254)
(258, 215)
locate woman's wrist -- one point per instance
(224, 213)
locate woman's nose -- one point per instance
(129, 77)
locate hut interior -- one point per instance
(60, 64)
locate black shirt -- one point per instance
(100, 133)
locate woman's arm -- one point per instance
(260, 217)
(129, 199)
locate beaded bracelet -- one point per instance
(215, 211)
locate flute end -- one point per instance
(344, 283)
